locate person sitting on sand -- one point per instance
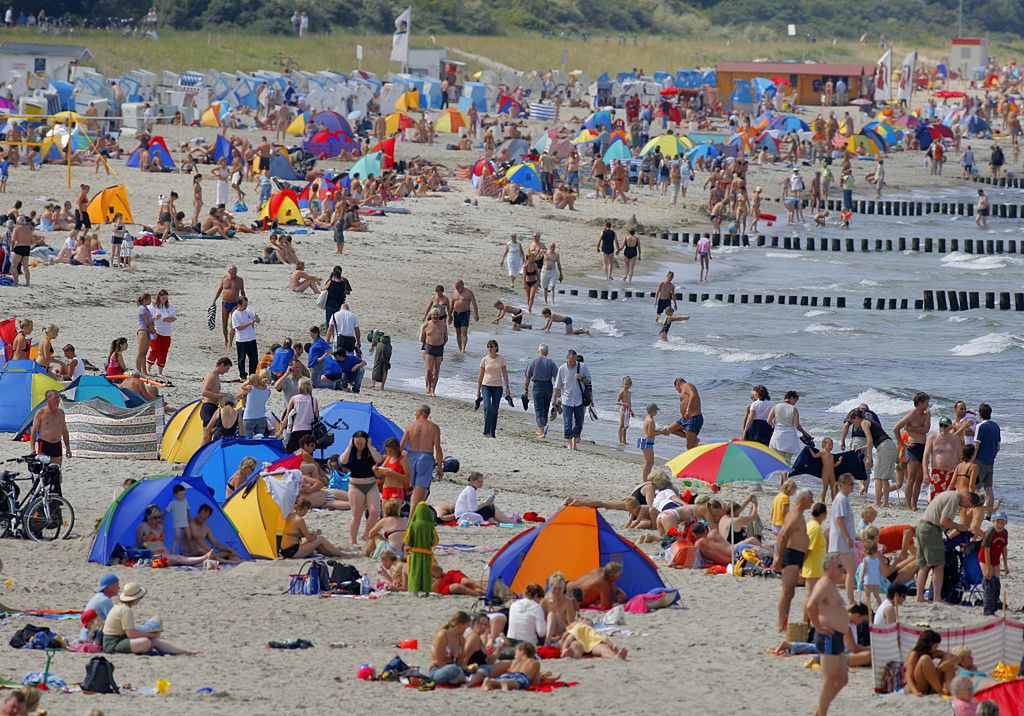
(560, 609)
(563, 198)
(581, 639)
(553, 318)
(297, 542)
(711, 546)
(598, 587)
(923, 676)
(523, 672)
(454, 582)
(314, 481)
(199, 539)
(120, 635)
(150, 535)
(469, 508)
(241, 476)
(516, 313)
(736, 527)
(446, 651)
(388, 532)
(300, 280)
(478, 640)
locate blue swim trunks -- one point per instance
(422, 465)
(693, 425)
(644, 443)
(230, 306)
(519, 677)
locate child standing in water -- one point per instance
(625, 402)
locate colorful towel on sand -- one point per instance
(41, 614)
(456, 548)
(101, 430)
(545, 687)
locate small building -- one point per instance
(968, 54)
(40, 62)
(807, 79)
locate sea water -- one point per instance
(834, 358)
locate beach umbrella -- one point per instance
(907, 120)
(370, 164)
(948, 94)
(525, 175)
(451, 121)
(544, 141)
(725, 463)
(789, 123)
(939, 130)
(397, 121)
(66, 115)
(618, 150)
(671, 145)
(669, 92)
(782, 81)
(707, 151)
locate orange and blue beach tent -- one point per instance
(575, 541)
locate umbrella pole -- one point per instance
(731, 537)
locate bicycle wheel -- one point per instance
(8, 516)
(48, 518)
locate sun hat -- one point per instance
(131, 592)
(107, 580)
(999, 516)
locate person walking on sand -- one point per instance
(842, 532)
(831, 621)
(49, 430)
(433, 338)
(691, 420)
(541, 371)
(571, 381)
(463, 306)
(917, 423)
(791, 548)
(229, 291)
(703, 254)
(665, 296)
(422, 443)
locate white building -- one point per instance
(968, 54)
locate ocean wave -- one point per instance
(958, 319)
(880, 401)
(741, 357)
(781, 255)
(815, 312)
(988, 344)
(829, 329)
(607, 328)
(712, 303)
(868, 282)
(726, 355)
(971, 262)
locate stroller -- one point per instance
(962, 577)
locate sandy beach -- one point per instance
(706, 656)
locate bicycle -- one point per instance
(43, 515)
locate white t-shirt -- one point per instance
(345, 323)
(526, 621)
(662, 498)
(841, 510)
(760, 409)
(179, 513)
(163, 328)
(466, 501)
(880, 613)
(243, 335)
(70, 244)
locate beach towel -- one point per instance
(211, 317)
(658, 599)
(853, 463)
(421, 537)
(100, 430)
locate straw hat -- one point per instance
(131, 592)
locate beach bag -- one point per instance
(891, 680)
(25, 635)
(344, 578)
(311, 582)
(321, 300)
(99, 677)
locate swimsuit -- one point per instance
(663, 303)
(829, 644)
(461, 319)
(915, 452)
(50, 449)
(644, 444)
(630, 252)
(435, 351)
(229, 306)
(938, 482)
(519, 677)
(637, 494)
(663, 331)
(693, 424)
(527, 275)
(422, 465)
(450, 578)
(363, 487)
(793, 558)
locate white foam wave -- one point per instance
(741, 357)
(868, 282)
(828, 329)
(957, 319)
(607, 328)
(726, 355)
(815, 312)
(988, 344)
(970, 262)
(879, 401)
(780, 255)
(712, 303)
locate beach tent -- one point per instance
(525, 175)
(451, 121)
(517, 148)
(788, 123)
(212, 115)
(183, 434)
(328, 145)
(157, 148)
(367, 165)
(283, 208)
(387, 146)
(109, 202)
(332, 122)
(215, 462)
(584, 137)
(396, 122)
(281, 166)
(51, 150)
(223, 149)
(672, 145)
(408, 100)
(617, 150)
(598, 119)
(767, 141)
(708, 151)
(859, 143)
(86, 387)
(117, 528)
(297, 126)
(508, 105)
(346, 417)
(257, 517)
(575, 541)
(23, 386)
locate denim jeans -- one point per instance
(254, 426)
(449, 674)
(542, 402)
(316, 374)
(573, 418)
(492, 402)
(992, 589)
(848, 199)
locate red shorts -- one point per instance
(938, 482)
(450, 578)
(392, 493)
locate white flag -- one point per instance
(883, 78)
(400, 40)
(906, 85)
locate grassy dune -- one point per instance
(178, 51)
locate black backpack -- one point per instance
(344, 578)
(24, 635)
(99, 677)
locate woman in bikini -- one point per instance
(531, 280)
(387, 534)
(438, 301)
(298, 542)
(22, 343)
(359, 459)
(145, 330)
(446, 652)
(733, 527)
(559, 609)
(393, 474)
(44, 355)
(300, 280)
(241, 476)
(313, 481)
(150, 535)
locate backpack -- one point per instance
(344, 578)
(99, 677)
(891, 678)
(25, 635)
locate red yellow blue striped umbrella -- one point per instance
(725, 463)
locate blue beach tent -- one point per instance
(125, 515)
(215, 462)
(346, 417)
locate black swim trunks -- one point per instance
(50, 449)
(435, 351)
(793, 558)
(829, 644)
(915, 452)
(206, 411)
(264, 164)
(22, 250)
(460, 319)
(664, 303)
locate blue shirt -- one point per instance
(987, 435)
(282, 359)
(4, 169)
(349, 363)
(332, 370)
(316, 350)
